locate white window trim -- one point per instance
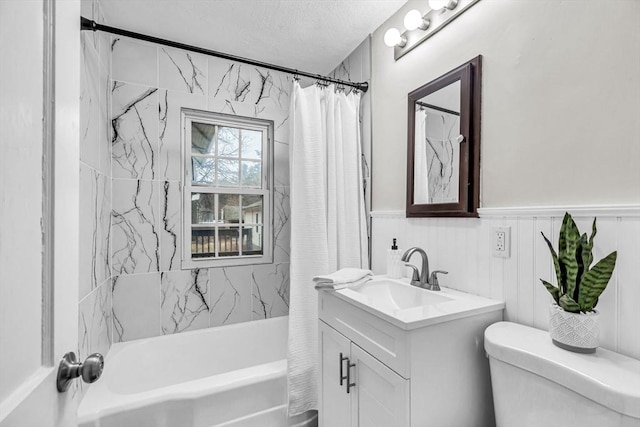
(266, 126)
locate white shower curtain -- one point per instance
(421, 168)
(328, 224)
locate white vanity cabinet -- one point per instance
(407, 368)
(357, 389)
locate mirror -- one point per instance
(443, 153)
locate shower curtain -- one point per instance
(328, 224)
(421, 167)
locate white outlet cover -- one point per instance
(495, 243)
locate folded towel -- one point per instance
(341, 278)
(338, 286)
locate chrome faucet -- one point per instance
(424, 279)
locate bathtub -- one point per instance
(230, 376)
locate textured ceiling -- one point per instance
(309, 35)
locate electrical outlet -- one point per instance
(501, 242)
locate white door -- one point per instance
(380, 397)
(335, 404)
(38, 208)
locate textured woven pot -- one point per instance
(576, 332)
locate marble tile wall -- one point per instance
(151, 295)
(463, 248)
(95, 313)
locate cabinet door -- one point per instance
(335, 404)
(380, 397)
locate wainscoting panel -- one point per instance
(463, 247)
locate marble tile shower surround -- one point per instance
(151, 294)
(95, 297)
(462, 247)
(131, 173)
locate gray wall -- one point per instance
(560, 90)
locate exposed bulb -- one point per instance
(393, 38)
(413, 19)
(439, 4)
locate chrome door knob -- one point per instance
(90, 370)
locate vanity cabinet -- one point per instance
(357, 389)
(431, 372)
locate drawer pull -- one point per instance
(349, 383)
(342, 376)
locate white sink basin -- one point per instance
(399, 295)
(410, 307)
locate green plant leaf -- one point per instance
(568, 304)
(595, 281)
(556, 264)
(568, 254)
(587, 248)
(553, 290)
(589, 258)
(582, 243)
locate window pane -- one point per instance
(251, 174)
(228, 173)
(229, 241)
(202, 170)
(228, 142)
(251, 144)
(203, 242)
(229, 208)
(203, 208)
(252, 209)
(202, 138)
(252, 240)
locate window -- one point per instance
(227, 197)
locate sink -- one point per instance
(409, 307)
(399, 295)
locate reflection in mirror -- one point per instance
(437, 146)
(443, 147)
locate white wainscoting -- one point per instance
(463, 248)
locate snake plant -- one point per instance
(579, 284)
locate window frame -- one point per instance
(188, 116)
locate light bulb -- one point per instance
(413, 19)
(439, 4)
(393, 38)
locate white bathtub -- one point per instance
(231, 376)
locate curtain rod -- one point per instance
(435, 107)
(88, 24)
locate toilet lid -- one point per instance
(606, 377)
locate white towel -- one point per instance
(337, 286)
(343, 277)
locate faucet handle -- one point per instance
(433, 279)
(415, 279)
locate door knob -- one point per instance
(69, 368)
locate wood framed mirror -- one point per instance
(443, 148)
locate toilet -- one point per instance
(536, 384)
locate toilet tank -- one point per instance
(537, 384)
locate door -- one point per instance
(38, 208)
(335, 404)
(380, 397)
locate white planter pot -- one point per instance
(576, 332)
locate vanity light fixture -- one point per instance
(439, 4)
(414, 20)
(441, 14)
(393, 38)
